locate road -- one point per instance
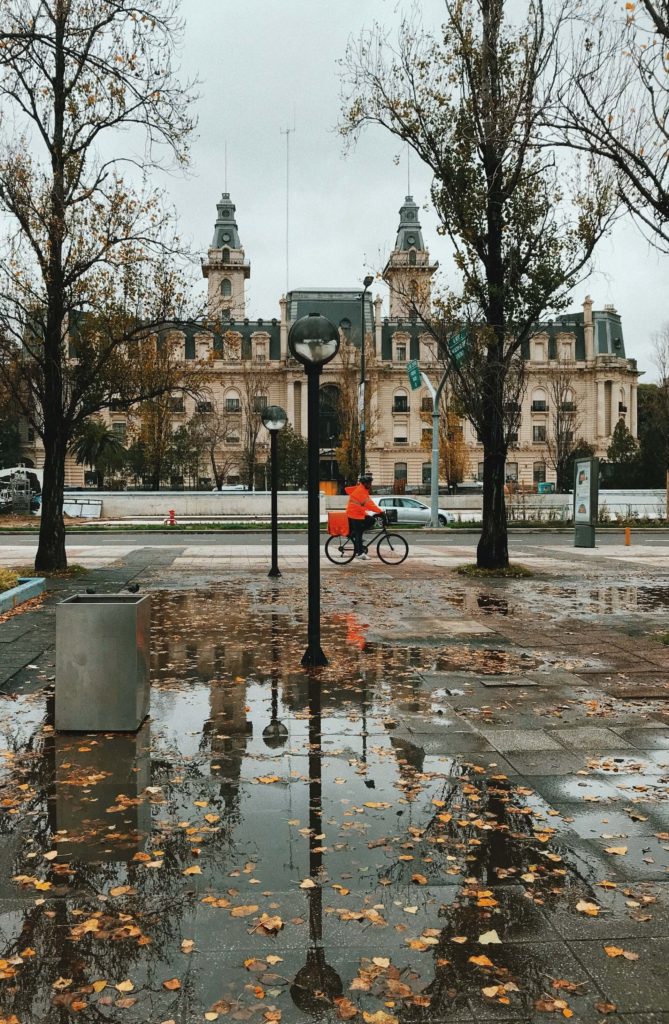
(250, 550)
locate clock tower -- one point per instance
(408, 271)
(225, 267)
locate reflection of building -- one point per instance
(243, 353)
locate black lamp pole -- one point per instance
(363, 384)
(313, 340)
(275, 419)
(273, 448)
(314, 653)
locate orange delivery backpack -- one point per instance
(337, 524)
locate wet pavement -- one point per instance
(464, 817)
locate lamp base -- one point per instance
(314, 658)
(274, 572)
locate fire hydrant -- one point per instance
(172, 518)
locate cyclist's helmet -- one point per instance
(366, 479)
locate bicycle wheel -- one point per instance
(392, 549)
(339, 550)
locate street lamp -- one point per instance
(313, 340)
(275, 419)
(367, 282)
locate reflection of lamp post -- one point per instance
(363, 436)
(313, 340)
(275, 734)
(316, 984)
(275, 419)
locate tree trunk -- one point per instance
(493, 551)
(51, 556)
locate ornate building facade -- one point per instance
(254, 353)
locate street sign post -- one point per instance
(457, 346)
(413, 372)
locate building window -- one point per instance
(259, 403)
(189, 347)
(31, 435)
(566, 351)
(345, 327)
(513, 437)
(401, 402)
(426, 404)
(539, 352)
(539, 472)
(176, 404)
(479, 471)
(412, 258)
(426, 435)
(232, 439)
(119, 430)
(204, 407)
(232, 404)
(226, 288)
(400, 437)
(226, 256)
(401, 353)
(511, 473)
(426, 472)
(401, 471)
(261, 352)
(539, 402)
(539, 433)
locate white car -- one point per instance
(410, 510)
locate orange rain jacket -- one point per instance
(359, 502)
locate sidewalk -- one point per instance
(464, 817)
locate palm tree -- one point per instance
(97, 446)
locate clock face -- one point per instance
(226, 238)
(410, 215)
(410, 239)
(225, 213)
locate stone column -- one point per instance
(283, 306)
(589, 329)
(601, 411)
(304, 408)
(615, 398)
(290, 402)
(378, 304)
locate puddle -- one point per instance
(264, 849)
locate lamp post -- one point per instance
(275, 419)
(313, 340)
(367, 282)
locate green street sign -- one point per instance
(413, 371)
(457, 346)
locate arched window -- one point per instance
(539, 401)
(412, 258)
(226, 287)
(232, 402)
(225, 257)
(345, 327)
(400, 401)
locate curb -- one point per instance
(28, 586)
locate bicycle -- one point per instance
(390, 547)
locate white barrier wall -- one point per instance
(157, 504)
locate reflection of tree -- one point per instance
(484, 821)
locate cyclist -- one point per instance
(359, 504)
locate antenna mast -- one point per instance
(408, 170)
(287, 132)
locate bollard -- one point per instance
(628, 536)
(172, 518)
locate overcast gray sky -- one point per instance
(265, 63)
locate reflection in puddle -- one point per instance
(272, 841)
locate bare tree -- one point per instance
(214, 429)
(472, 105)
(615, 103)
(84, 274)
(661, 362)
(348, 382)
(564, 421)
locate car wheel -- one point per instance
(443, 521)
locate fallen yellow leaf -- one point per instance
(124, 986)
(245, 911)
(172, 984)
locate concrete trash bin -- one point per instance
(102, 662)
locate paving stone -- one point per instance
(588, 737)
(650, 738)
(631, 985)
(516, 739)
